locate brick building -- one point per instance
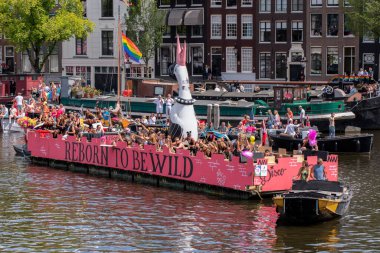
(269, 39)
(332, 47)
(186, 18)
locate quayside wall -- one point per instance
(163, 168)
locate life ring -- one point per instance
(329, 90)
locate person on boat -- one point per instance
(332, 125)
(169, 103)
(289, 114)
(19, 100)
(247, 120)
(223, 128)
(307, 146)
(304, 172)
(291, 128)
(318, 172)
(302, 115)
(277, 119)
(3, 111)
(159, 101)
(270, 119)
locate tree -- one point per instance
(364, 16)
(37, 26)
(144, 27)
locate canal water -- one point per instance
(49, 210)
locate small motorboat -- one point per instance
(21, 150)
(312, 201)
(356, 143)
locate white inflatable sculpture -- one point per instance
(182, 115)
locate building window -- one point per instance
(246, 60)
(231, 60)
(246, 26)
(316, 25)
(265, 68)
(347, 3)
(80, 46)
(316, 61)
(166, 30)
(332, 60)
(231, 26)
(297, 31)
(281, 30)
(368, 37)
(265, 31)
(231, 3)
(332, 24)
(165, 60)
(216, 27)
(165, 2)
(197, 31)
(246, 3)
(334, 3)
(107, 8)
(54, 61)
(265, 5)
(281, 5)
(26, 65)
(197, 60)
(107, 42)
(180, 2)
(216, 3)
(181, 30)
(197, 2)
(297, 5)
(9, 60)
(347, 30)
(316, 3)
(349, 59)
(69, 70)
(281, 65)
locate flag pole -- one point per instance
(118, 54)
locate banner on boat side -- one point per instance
(198, 169)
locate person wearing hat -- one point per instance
(318, 171)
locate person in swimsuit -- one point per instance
(304, 172)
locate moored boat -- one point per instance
(356, 143)
(313, 201)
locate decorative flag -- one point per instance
(130, 49)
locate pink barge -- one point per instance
(179, 170)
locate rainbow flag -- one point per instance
(130, 49)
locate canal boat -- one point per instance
(312, 201)
(350, 143)
(264, 176)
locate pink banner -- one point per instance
(182, 166)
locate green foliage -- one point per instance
(37, 26)
(144, 27)
(364, 16)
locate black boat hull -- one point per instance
(312, 202)
(21, 150)
(367, 113)
(361, 143)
